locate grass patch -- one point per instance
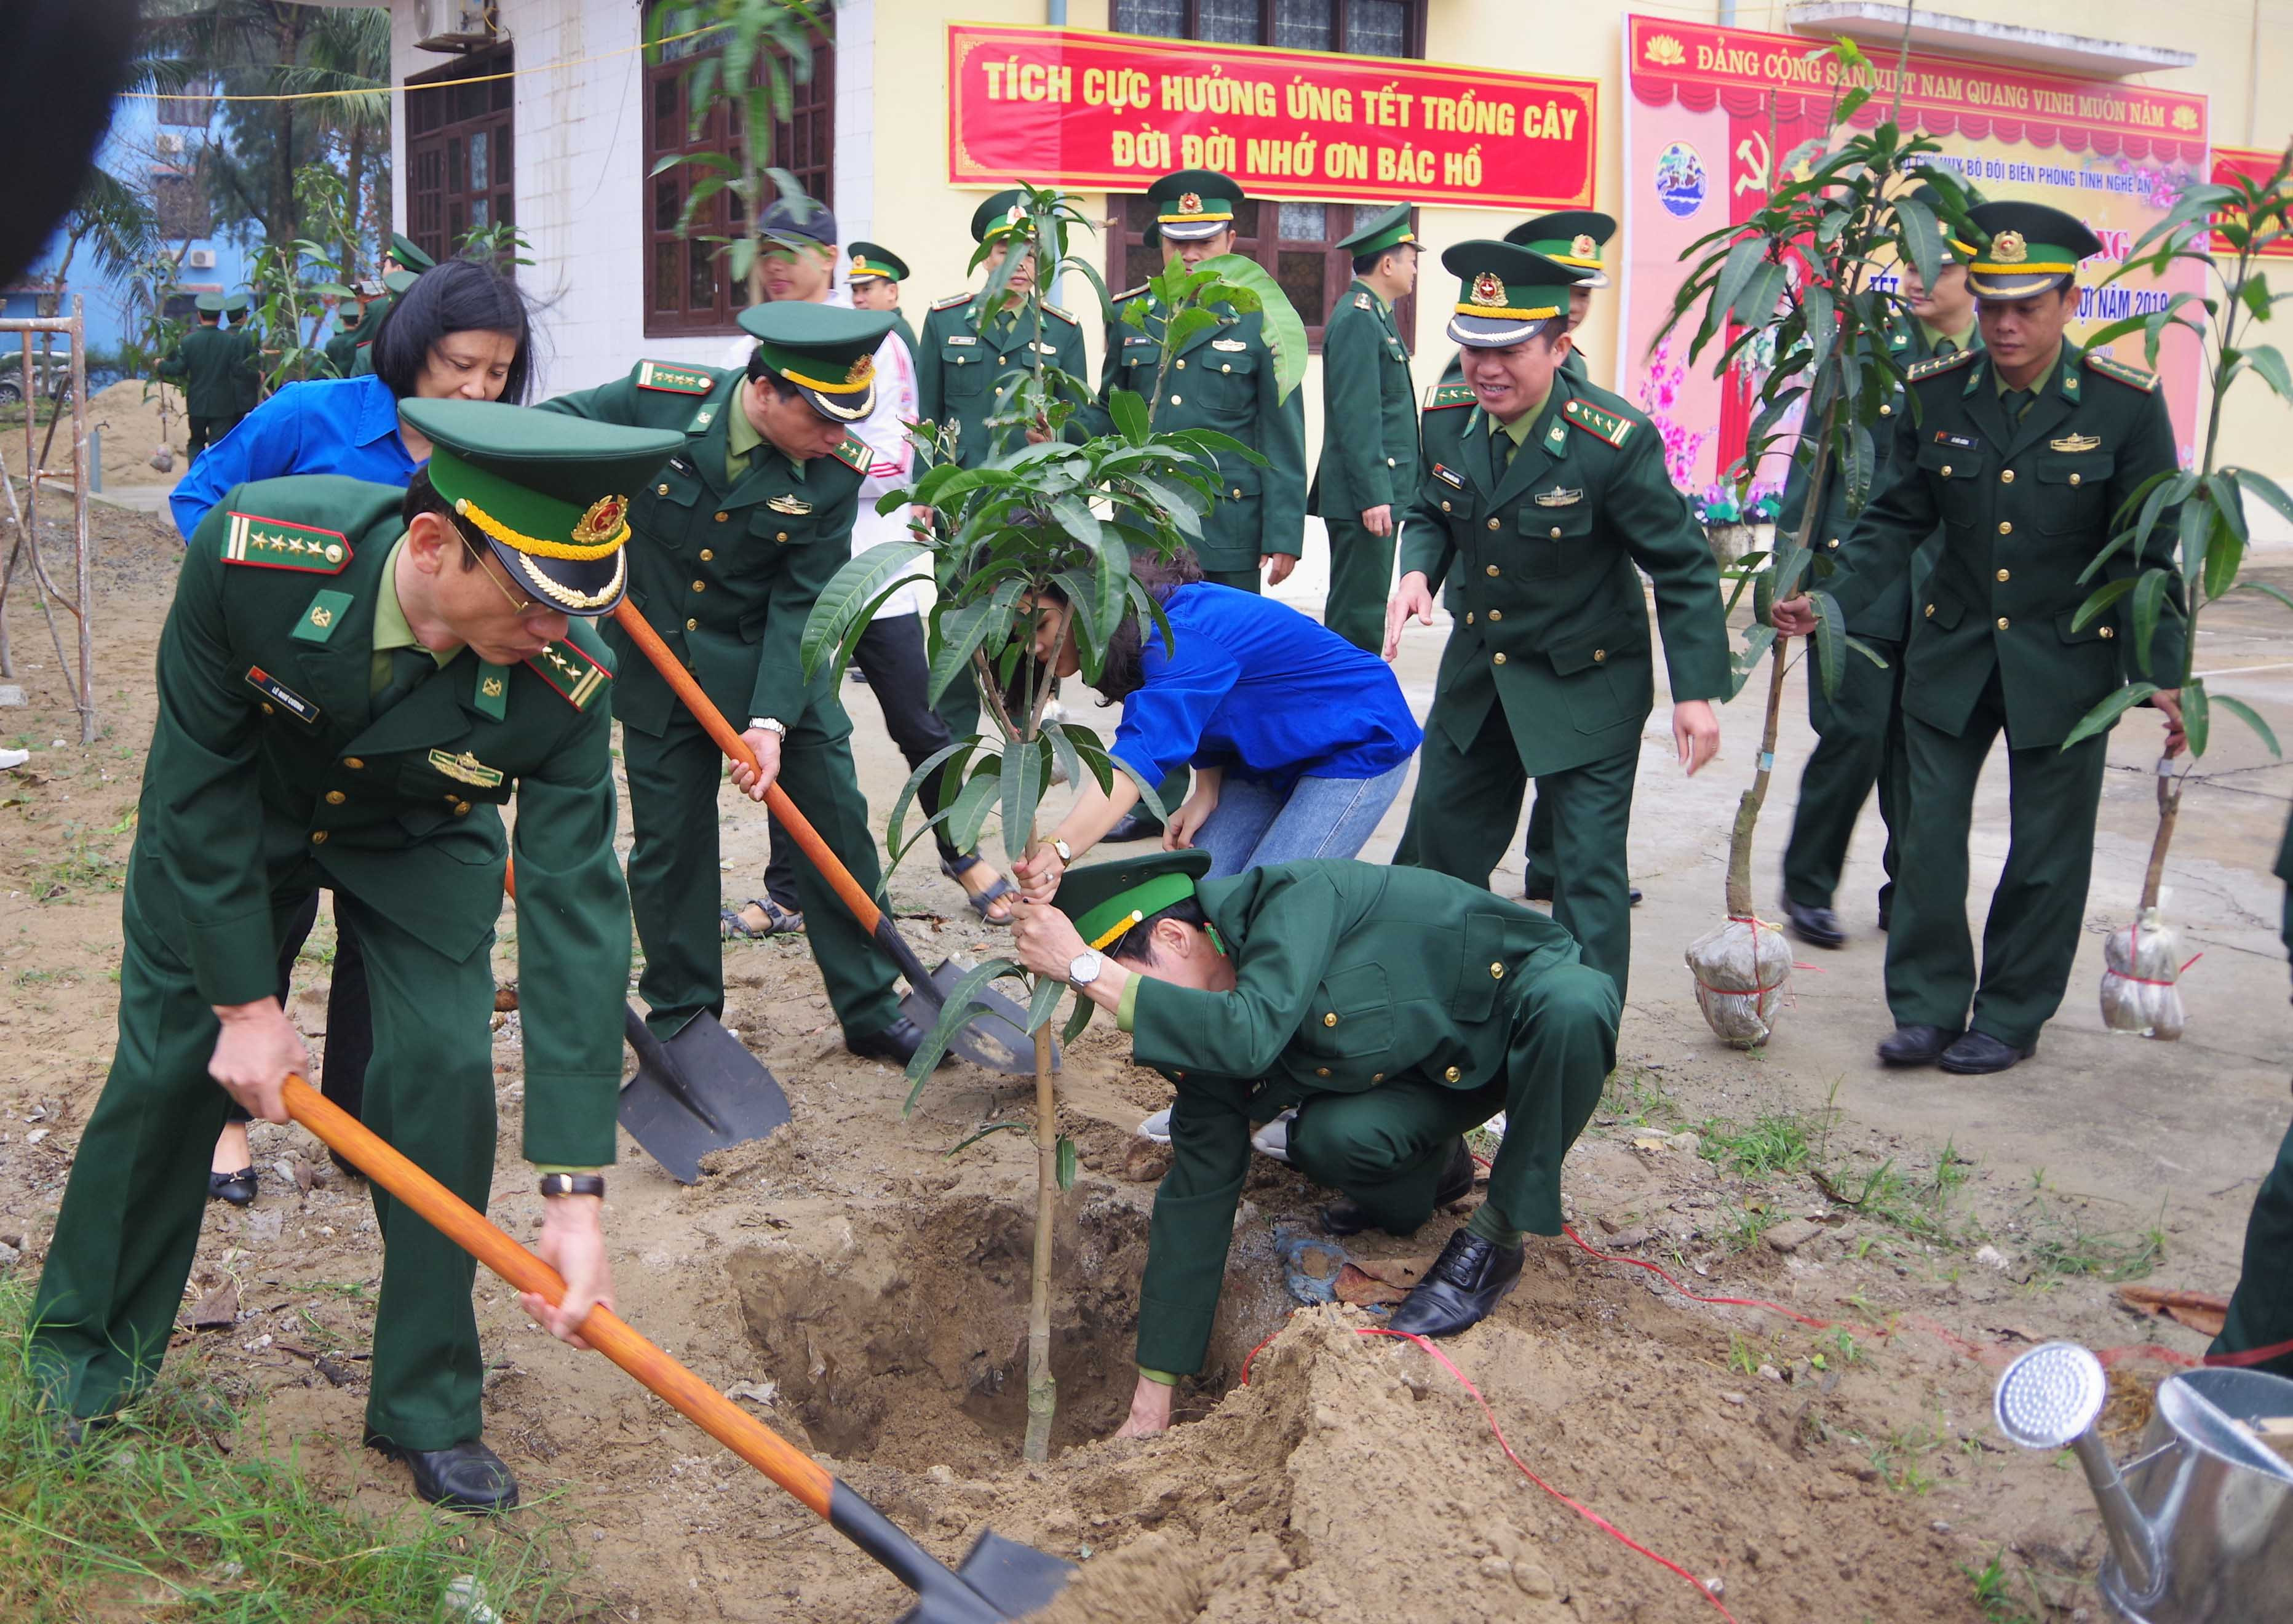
(2111, 1256)
(1897, 1458)
(1639, 1099)
(1995, 1594)
(81, 868)
(1771, 1146)
(153, 1521)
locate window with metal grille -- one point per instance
(191, 107)
(688, 288)
(179, 199)
(1291, 239)
(459, 173)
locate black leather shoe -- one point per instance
(1466, 1282)
(1343, 1217)
(466, 1476)
(1132, 827)
(1915, 1046)
(1978, 1054)
(236, 1187)
(1820, 926)
(896, 1042)
(1539, 889)
(1886, 913)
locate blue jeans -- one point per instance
(1255, 823)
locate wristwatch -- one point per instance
(1085, 969)
(573, 1184)
(1066, 852)
(768, 723)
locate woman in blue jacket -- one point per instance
(1299, 740)
(461, 329)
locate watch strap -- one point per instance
(573, 1184)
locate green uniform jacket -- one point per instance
(1222, 379)
(1553, 625)
(250, 369)
(268, 772)
(726, 573)
(208, 361)
(341, 350)
(1369, 413)
(1347, 975)
(960, 372)
(2023, 509)
(1888, 615)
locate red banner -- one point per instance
(2257, 167)
(1111, 111)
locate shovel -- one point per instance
(996, 1038)
(1000, 1578)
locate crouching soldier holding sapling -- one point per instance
(1394, 1009)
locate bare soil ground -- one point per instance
(861, 1286)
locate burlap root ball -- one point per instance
(1742, 969)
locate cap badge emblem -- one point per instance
(1585, 247)
(2008, 248)
(862, 371)
(1488, 288)
(1190, 203)
(601, 523)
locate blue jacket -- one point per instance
(327, 426)
(1255, 686)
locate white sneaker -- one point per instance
(1156, 1127)
(13, 758)
(1274, 1139)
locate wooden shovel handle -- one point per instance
(854, 895)
(707, 1408)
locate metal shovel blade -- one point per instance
(702, 1091)
(1000, 1579)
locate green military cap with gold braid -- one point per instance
(1193, 204)
(998, 215)
(399, 282)
(1573, 237)
(828, 354)
(1508, 293)
(403, 250)
(1390, 229)
(1106, 899)
(549, 493)
(2030, 249)
(870, 260)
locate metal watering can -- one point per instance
(2200, 1520)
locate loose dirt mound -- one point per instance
(132, 431)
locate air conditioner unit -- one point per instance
(199, 259)
(454, 26)
(170, 145)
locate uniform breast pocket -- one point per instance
(1349, 1030)
(1602, 691)
(663, 509)
(1554, 540)
(2074, 491)
(1958, 469)
(763, 550)
(448, 779)
(1229, 384)
(963, 371)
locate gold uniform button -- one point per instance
(318, 837)
(706, 553)
(2109, 631)
(1496, 973)
(2006, 575)
(1389, 462)
(660, 489)
(1445, 507)
(1453, 1074)
(1175, 401)
(1330, 1019)
(1930, 611)
(334, 798)
(1493, 569)
(1496, 614)
(267, 710)
(1468, 617)
(2006, 527)
(1227, 369)
(1833, 544)
(1377, 1077)
(2006, 478)
(1600, 656)
(1493, 523)
(1556, 531)
(1182, 366)
(461, 809)
(2002, 623)
(1321, 1071)
(1237, 493)
(1886, 411)
(1499, 658)
(701, 586)
(355, 764)
(2074, 479)
(722, 516)
(695, 625)
(1946, 470)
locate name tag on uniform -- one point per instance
(1559, 497)
(2076, 442)
(1446, 477)
(791, 505)
(1041, 348)
(959, 338)
(678, 464)
(1229, 343)
(1963, 441)
(271, 688)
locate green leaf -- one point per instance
(916, 780)
(1023, 792)
(1279, 323)
(2224, 552)
(971, 1140)
(1066, 1163)
(849, 594)
(1078, 1018)
(2267, 489)
(2247, 715)
(1922, 236)
(1044, 1003)
(2265, 360)
(2262, 586)
(2197, 719)
(963, 1002)
(1185, 325)
(968, 817)
(1867, 652)
(1756, 306)
(2149, 595)
(1745, 257)
(2099, 601)
(1130, 414)
(2104, 716)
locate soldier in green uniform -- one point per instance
(1541, 494)
(1393, 1009)
(2022, 451)
(403, 254)
(874, 279)
(342, 351)
(1369, 428)
(1860, 729)
(735, 540)
(207, 360)
(239, 309)
(2258, 1329)
(354, 680)
(966, 360)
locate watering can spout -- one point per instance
(2048, 1400)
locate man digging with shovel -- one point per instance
(1394, 1008)
(353, 680)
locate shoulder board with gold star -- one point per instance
(281, 544)
(578, 676)
(1605, 426)
(951, 301)
(1939, 364)
(2110, 366)
(673, 379)
(853, 454)
(1129, 294)
(1441, 397)
(1066, 316)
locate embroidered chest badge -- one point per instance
(467, 768)
(795, 507)
(1559, 497)
(2076, 442)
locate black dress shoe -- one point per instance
(896, 1042)
(466, 1476)
(1130, 826)
(1915, 1046)
(1468, 1281)
(1886, 913)
(236, 1187)
(1979, 1053)
(1343, 1217)
(1539, 889)
(1820, 926)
